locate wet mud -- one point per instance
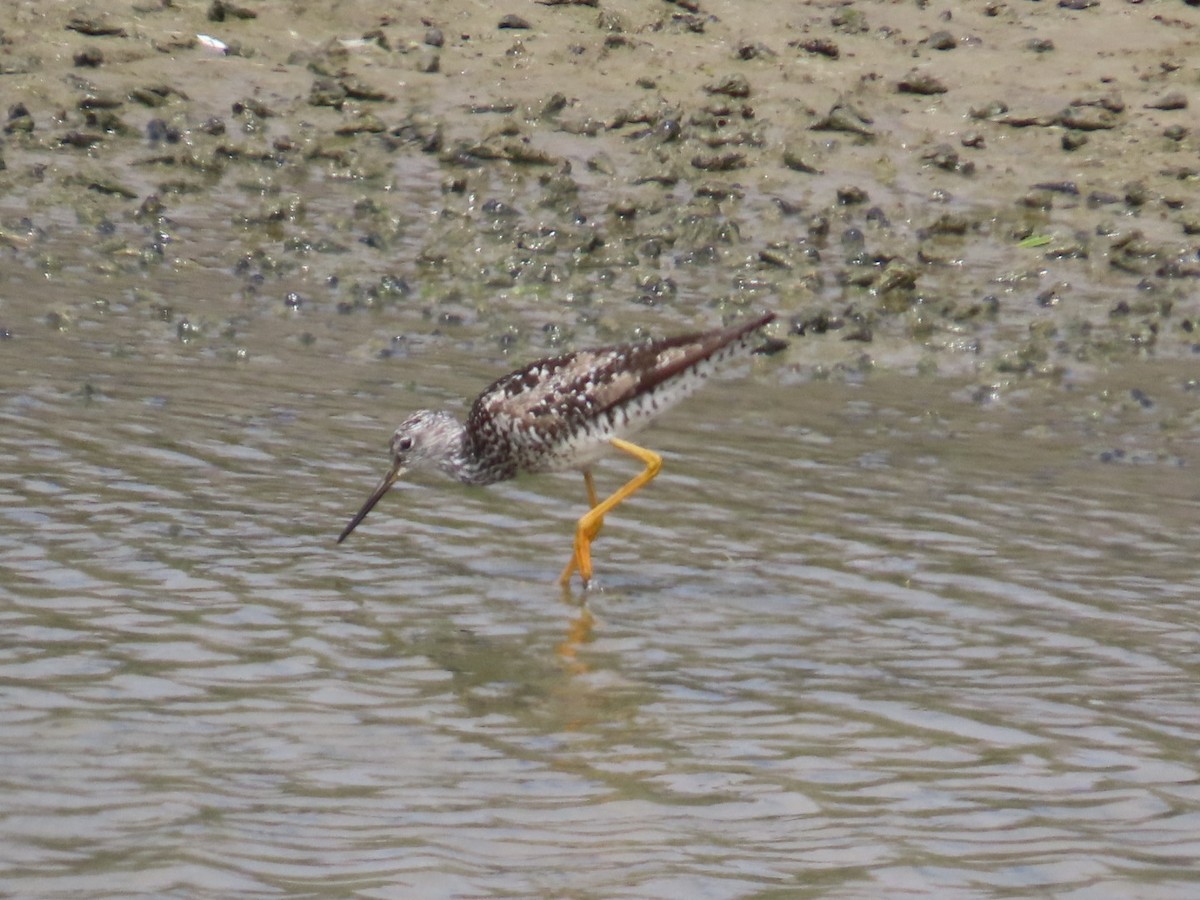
(1003, 191)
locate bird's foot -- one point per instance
(581, 559)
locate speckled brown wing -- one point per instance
(522, 414)
(655, 362)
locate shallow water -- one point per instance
(858, 639)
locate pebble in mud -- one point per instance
(918, 82)
(1073, 140)
(819, 46)
(730, 86)
(428, 62)
(19, 120)
(1087, 118)
(94, 24)
(941, 40)
(221, 10)
(795, 158)
(843, 116)
(89, 58)
(1172, 101)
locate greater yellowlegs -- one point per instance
(565, 412)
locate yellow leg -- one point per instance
(593, 502)
(590, 522)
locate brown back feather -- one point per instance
(606, 375)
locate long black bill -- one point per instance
(376, 495)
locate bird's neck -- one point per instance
(462, 461)
(472, 461)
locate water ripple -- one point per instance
(843, 659)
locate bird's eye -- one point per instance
(404, 444)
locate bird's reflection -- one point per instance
(579, 632)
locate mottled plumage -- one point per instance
(564, 412)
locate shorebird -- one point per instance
(565, 412)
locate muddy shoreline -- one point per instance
(993, 193)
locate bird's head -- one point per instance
(425, 439)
